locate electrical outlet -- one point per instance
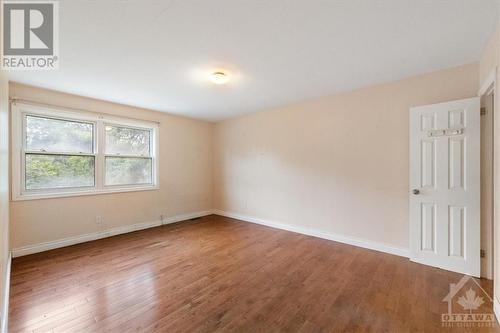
(98, 220)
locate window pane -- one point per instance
(127, 141)
(128, 170)
(59, 136)
(58, 171)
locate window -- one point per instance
(59, 153)
(64, 153)
(128, 156)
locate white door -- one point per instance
(445, 185)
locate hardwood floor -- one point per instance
(219, 274)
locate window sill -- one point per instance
(53, 195)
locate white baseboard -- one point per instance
(41, 247)
(496, 308)
(377, 246)
(4, 322)
(368, 244)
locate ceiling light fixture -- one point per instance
(219, 77)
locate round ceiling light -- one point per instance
(219, 77)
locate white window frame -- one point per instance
(19, 113)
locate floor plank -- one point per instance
(219, 274)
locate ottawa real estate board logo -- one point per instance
(469, 305)
(30, 35)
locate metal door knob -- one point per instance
(415, 191)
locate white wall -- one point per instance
(338, 165)
(185, 179)
(4, 189)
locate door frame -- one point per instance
(487, 87)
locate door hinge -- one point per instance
(482, 253)
(482, 111)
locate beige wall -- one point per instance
(489, 57)
(185, 179)
(337, 164)
(4, 187)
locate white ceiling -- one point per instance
(155, 54)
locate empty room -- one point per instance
(249, 166)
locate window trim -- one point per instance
(19, 113)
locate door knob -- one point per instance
(415, 191)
